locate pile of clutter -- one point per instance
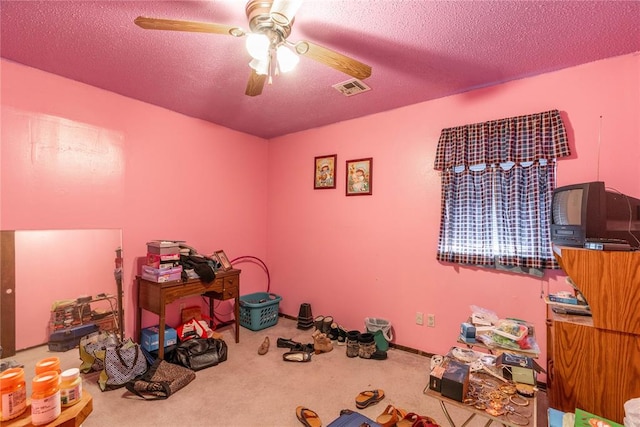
(486, 327)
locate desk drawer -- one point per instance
(225, 288)
(230, 287)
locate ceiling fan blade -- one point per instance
(333, 59)
(283, 11)
(191, 26)
(255, 83)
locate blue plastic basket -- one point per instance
(259, 311)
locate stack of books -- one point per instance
(163, 262)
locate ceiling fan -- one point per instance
(270, 24)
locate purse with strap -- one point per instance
(122, 363)
(200, 353)
(162, 380)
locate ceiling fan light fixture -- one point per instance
(261, 66)
(287, 60)
(258, 45)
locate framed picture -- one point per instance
(224, 261)
(324, 174)
(359, 177)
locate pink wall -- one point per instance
(353, 257)
(350, 257)
(77, 157)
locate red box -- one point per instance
(154, 260)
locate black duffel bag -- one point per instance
(200, 353)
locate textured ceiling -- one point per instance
(418, 50)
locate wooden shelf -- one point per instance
(592, 361)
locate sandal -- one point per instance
(425, 422)
(408, 420)
(369, 397)
(308, 417)
(390, 416)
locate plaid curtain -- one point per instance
(498, 179)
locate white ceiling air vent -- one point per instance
(352, 87)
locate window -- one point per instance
(498, 179)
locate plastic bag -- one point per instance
(194, 329)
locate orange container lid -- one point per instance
(48, 364)
(45, 381)
(11, 378)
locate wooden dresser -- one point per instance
(593, 363)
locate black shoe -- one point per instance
(303, 347)
(378, 355)
(284, 343)
(333, 332)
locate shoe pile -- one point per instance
(363, 345)
(390, 417)
(305, 318)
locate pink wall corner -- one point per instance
(77, 157)
(374, 256)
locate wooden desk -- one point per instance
(154, 297)
(530, 411)
(71, 416)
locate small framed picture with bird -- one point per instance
(324, 176)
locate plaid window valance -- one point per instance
(498, 179)
(514, 139)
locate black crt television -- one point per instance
(588, 211)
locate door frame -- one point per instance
(8, 293)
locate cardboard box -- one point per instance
(519, 369)
(162, 279)
(435, 378)
(155, 260)
(455, 381)
(161, 271)
(162, 247)
(150, 336)
(161, 275)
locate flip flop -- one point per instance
(390, 416)
(308, 417)
(369, 397)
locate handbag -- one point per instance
(200, 353)
(161, 380)
(92, 350)
(122, 363)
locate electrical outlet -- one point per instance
(419, 318)
(431, 320)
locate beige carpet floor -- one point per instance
(253, 390)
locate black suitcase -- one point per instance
(68, 338)
(349, 418)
